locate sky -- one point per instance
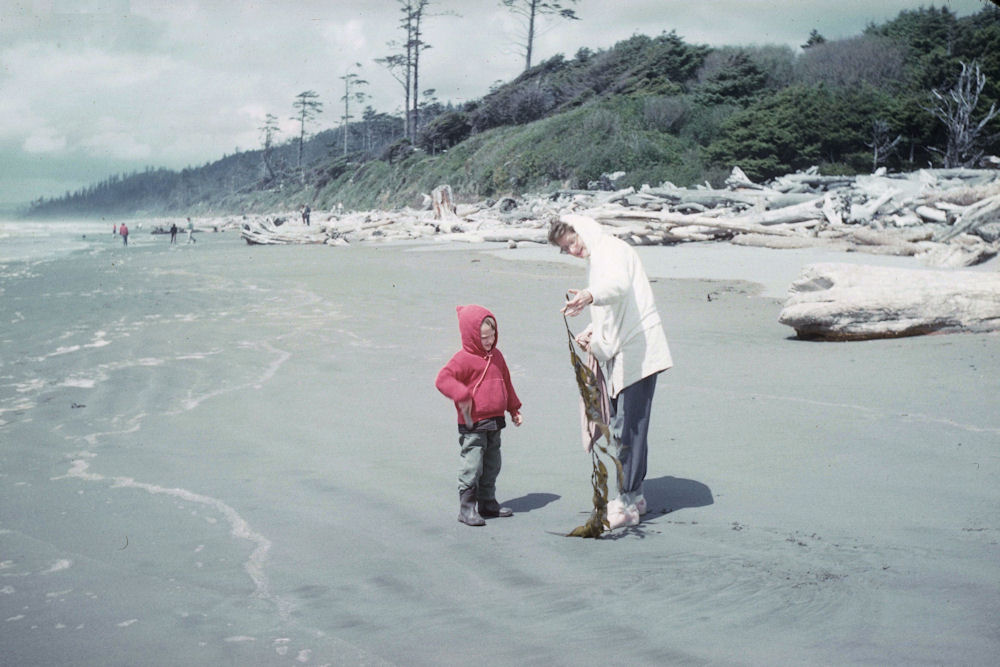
(92, 88)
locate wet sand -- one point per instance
(224, 454)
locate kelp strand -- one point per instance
(590, 392)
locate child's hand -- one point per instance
(466, 408)
(517, 419)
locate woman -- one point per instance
(626, 335)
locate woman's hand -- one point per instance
(583, 340)
(576, 301)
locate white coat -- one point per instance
(627, 334)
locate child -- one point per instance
(477, 379)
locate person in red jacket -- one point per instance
(478, 381)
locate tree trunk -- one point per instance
(531, 34)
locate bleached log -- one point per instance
(783, 242)
(680, 220)
(830, 211)
(444, 203)
(892, 244)
(932, 214)
(858, 302)
(813, 181)
(867, 211)
(807, 210)
(779, 200)
(739, 179)
(719, 198)
(989, 232)
(986, 210)
(518, 235)
(263, 232)
(963, 251)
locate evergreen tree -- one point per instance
(307, 106)
(530, 11)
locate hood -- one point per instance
(470, 320)
(588, 229)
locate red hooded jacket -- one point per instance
(473, 373)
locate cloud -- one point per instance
(117, 145)
(44, 140)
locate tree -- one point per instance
(418, 45)
(799, 127)
(398, 65)
(882, 146)
(814, 39)
(307, 107)
(530, 10)
(404, 65)
(866, 59)
(736, 80)
(446, 130)
(351, 79)
(955, 109)
(268, 131)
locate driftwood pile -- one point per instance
(947, 217)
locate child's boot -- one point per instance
(467, 513)
(492, 509)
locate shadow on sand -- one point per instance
(663, 496)
(668, 494)
(532, 501)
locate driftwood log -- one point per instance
(858, 302)
(444, 203)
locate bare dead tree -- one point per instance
(399, 67)
(268, 131)
(882, 146)
(530, 10)
(351, 80)
(956, 108)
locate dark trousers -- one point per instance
(630, 425)
(481, 462)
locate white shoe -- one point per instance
(635, 498)
(621, 515)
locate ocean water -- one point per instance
(29, 240)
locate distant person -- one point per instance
(114, 230)
(173, 232)
(305, 214)
(477, 380)
(626, 336)
(123, 230)
(190, 228)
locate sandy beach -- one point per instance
(222, 454)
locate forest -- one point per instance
(920, 90)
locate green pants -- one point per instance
(480, 463)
